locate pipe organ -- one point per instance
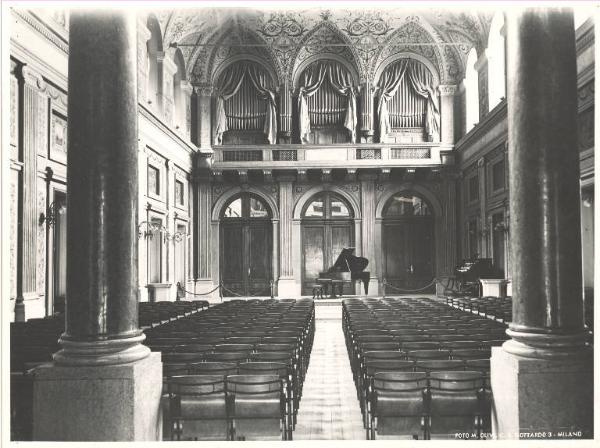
(407, 109)
(327, 107)
(246, 110)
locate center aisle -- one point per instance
(329, 409)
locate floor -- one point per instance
(329, 409)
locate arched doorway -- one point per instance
(327, 228)
(245, 249)
(408, 242)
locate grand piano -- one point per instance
(346, 269)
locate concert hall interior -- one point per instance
(320, 221)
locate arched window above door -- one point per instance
(406, 204)
(246, 206)
(327, 205)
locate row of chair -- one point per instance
(436, 404)
(407, 335)
(497, 308)
(238, 337)
(157, 313)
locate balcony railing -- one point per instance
(318, 156)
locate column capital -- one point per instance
(169, 65)
(481, 62)
(31, 77)
(142, 30)
(186, 87)
(203, 89)
(448, 89)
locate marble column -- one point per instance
(542, 379)
(367, 116)
(203, 234)
(368, 203)
(447, 113)
(482, 79)
(184, 114)
(29, 219)
(169, 68)
(203, 116)
(106, 384)
(285, 113)
(287, 285)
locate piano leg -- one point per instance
(366, 285)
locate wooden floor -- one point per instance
(329, 409)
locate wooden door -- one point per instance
(246, 258)
(408, 253)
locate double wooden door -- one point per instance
(323, 242)
(408, 247)
(246, 258)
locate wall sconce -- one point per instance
(52, 213)
(147, 229)
(501, 227)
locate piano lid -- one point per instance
(347, 261)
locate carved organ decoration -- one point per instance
(408, 98)
(326, 99)
(246, 101)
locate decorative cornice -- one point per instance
(21, 53)
(584, 35)
(42, 28)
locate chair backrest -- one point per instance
(374, 346)
(285, 357)
(250, 340)
(399, 381)
(227, 356)
(456, 380)
(383, 355)
(470, 354)
(428, 354)
(213, 367)
(192, 348)
(179, 358)
(430, 365)
(196, 384)
(264, 368)
(456, 345)
(422, 345)
(234, 348)
(280, 340)
(275, 347)
(253, 384)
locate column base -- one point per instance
(101, 403)
(287, 288)
(542, 398)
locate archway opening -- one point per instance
(408, 243)
(246, 246)
(327, 228)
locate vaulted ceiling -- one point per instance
(282, 39)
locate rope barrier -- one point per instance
(181, 288)
(411, 290)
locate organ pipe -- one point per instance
(245, 110)
(406, 109)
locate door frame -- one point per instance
(388, 222)
(438, 224)
(215, 231)
(244, 225)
